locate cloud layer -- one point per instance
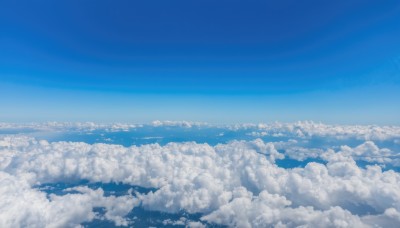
(234, 184)
(301, 129)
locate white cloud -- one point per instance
(390, 218)
(367, 151)
(235, 184)
(69, 126)
(271, 209)
(184, 124)
(301, 129)
(183, 222)
(23, 206)
(309, 129)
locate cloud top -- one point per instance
(235, 184)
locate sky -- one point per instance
(213, 61)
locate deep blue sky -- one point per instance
(216, 61)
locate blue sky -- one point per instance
(216, 61)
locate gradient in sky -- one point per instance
(217, 61)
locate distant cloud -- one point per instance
(68, 126)
(186, 124)
(308, 129)
(301, 129)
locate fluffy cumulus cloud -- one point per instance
(23, 206)
(236, 184)
(309, 129)
(367, 151)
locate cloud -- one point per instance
(234, 184)
(183, 124)
(69, 126)
(271, 209)
(309, 129)
(183, 222)
(301, 129)
(370, 152)
(23, 206)
(367, 151)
